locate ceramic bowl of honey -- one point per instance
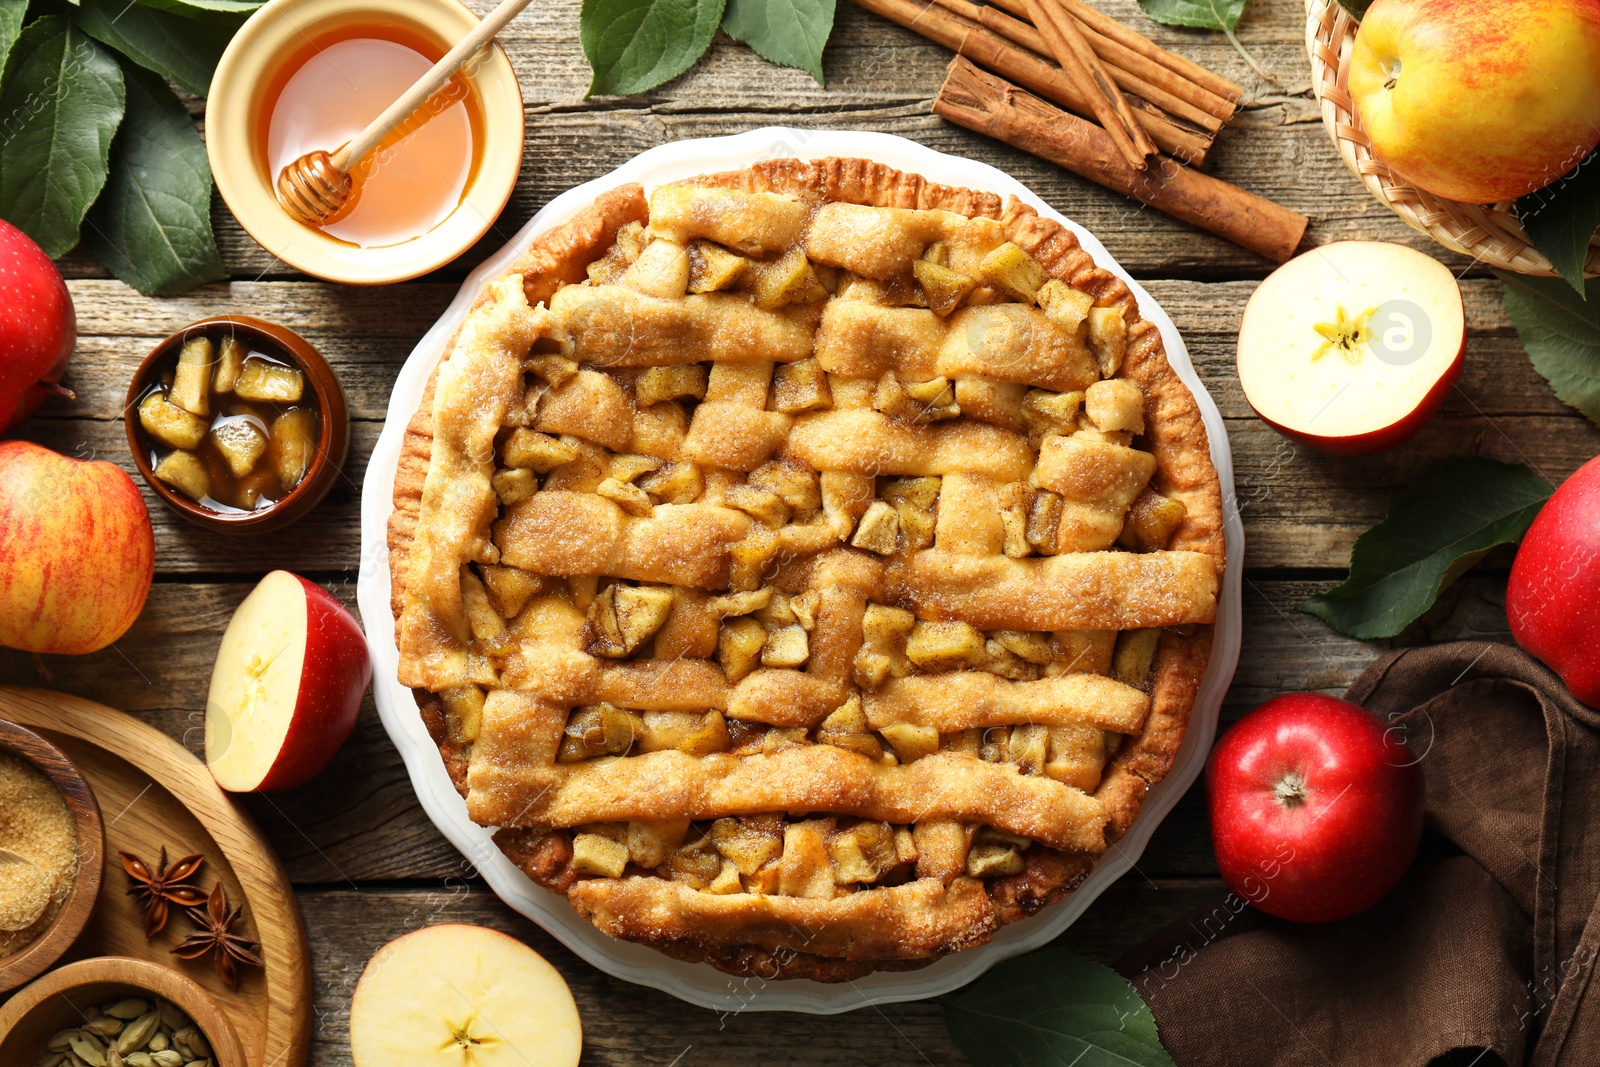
(237, 424)
(307, 75)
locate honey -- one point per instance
(329, 91)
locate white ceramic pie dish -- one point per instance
(699, 983)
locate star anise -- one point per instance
(214, 933)
(165, 885)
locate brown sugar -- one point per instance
(36, 824)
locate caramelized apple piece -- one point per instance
(294, 441)
(249, 491)
(513, 486)
(883, 645)
(1013, 270)
(749, 843)
(463, 713)
(1115, 405)
(911, 742)
(599, 730)
(690, 732)
(788, 279)
(169, 423)
(628, 497)
(191, 383)
(1151, 520)
(657, 384)
(536, 451)
(713, 268)
(598, 855)
(994, 861)
(863, 853)
(787, 646)
(945, 646)
(800, 387)
(678, 482)
(1108, 338)
(942, 287)
(739, 646)
(231, 354)
(185, 473)
(650, 842)
(1069, 307)
(509, 588)
(846, 727)
(765, 507)
(879, 530)
(262, 379)
(913, 500)
(240, 443)
(623, 617)
(1136, 652)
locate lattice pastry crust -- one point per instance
(808, 569)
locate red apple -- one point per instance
(77, 552)
(1351, 347)
(1316, 807)
(1479, 101)
(37, 326)
(286, 687)
(1555, 584)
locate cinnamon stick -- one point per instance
(1127, 36)
(1078, 60)
(988, 49)
(980, 101)
(1133, 73)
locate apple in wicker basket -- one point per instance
(1351, 347)
(286, 687)
(1483, 101)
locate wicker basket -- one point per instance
(1491, 235)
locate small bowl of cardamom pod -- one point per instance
(114, 1011)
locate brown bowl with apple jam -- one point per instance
(237, 424)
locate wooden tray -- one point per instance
(153, 792)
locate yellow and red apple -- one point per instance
(1351, 347)
(1555, 583)
(77, 553)
(286, 687)
(1483, 101)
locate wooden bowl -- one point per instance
(333, 430)
(75, 910)
(1488, 233)
(59, 999)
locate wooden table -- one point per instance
(370, 866)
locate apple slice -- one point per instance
(286, 687)
(1351, 347)
(462, 996)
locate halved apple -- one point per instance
(462, 996)
(286, 687)
(1351, 347)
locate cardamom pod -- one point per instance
(136, 1035)
(166, 1058)
(105, 1026)
(88, 1049)
(128, 1010)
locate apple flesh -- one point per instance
(462, 996)
(1479, 102)
(77, 552)
(38, 327)
(1555, 584)
(1316, 807)
(1351, 347)
(286, 687)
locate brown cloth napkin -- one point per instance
(1489, 943)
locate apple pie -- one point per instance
(806, 569)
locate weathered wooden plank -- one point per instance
(627, 1024)
(367, 333)
(359, 821)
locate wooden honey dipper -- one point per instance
(316, 188)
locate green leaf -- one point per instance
(635, 45)
(1053, 1008)
(1561, 331)
(1435, 530)
(787, 32)
(1206, 14)
(59, 109)
(229, 9)
(183, 50)
(152, 226)
(1561, 219)
(1357, 8)
(11, 15)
